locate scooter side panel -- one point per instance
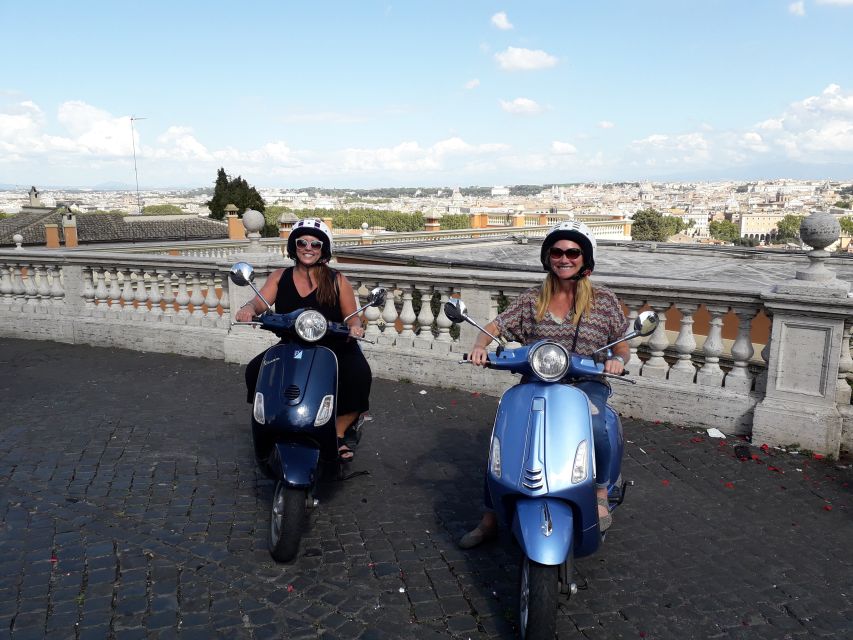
(617, 444)
(544, 529)
(294, 379)
(296, 464)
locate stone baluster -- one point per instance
(30, 291)
(407, 316)
(115, 291)
(389, 317)
(211, 301)
(154, 297)
(6, 284)
(444, 340)
(197, 298)
(88, 290)
(42, 287)
(634, 305)
(225, 302)
(684, 370)
(182, 298)
(127, 294)
(141, 296)
(656, 366)
(425, 338)
(710, 374)
(19, 290)
(739, 379)
(101, 294)
(372, 315)
(168, 295)
(57, 292)
(845, 367)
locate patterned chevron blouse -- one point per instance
(605, 323)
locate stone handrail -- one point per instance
(183, 304)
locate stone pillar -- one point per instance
(69, 229)
(329, 223)
(517, 220)
(51, 236)
(807, 335)
(432, 223)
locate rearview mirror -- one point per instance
(242, 274)
(455, 310)
(376, 297)
(646, 323)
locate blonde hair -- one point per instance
(584, 296)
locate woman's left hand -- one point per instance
(614, 366)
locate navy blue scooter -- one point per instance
(294, 410)
(542, 466)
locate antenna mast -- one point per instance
(135, 171)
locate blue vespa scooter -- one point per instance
(542, 466)
(294, 410)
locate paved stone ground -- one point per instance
(131, 507)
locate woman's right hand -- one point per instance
(245, 314)
(478, 356)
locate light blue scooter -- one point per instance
(542, 466)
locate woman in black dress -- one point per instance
(311, 283)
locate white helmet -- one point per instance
(575, 231)
(314, 227)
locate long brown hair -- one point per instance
(584, 296)
(327, 291)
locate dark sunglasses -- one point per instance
(571, 253)
(304, 244)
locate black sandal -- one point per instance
(345, 453)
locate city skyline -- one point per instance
(376, 94)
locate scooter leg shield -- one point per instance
(544, 527)
(296, 464)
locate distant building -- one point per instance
(500, 192)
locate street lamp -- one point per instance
(135, 172)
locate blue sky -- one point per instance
(366, 94)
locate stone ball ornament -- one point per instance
(253, 220)
(820, 229)
(18, 239)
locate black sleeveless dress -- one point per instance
(354, 375)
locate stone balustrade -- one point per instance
(183, 304)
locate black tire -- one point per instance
(537, 600)
(287, 521)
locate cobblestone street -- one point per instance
(132, 508)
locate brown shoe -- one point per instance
(604, 522)
(476, 537)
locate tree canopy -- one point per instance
(846, 225)
(650, 224)
(162, 209)
(237, 192)
(724, 230)
(789, 227)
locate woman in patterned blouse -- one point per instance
(567, 309)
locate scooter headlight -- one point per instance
(549, 361)
(311, 325)
(580, 469)
(495, 460)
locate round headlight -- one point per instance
(549, 361)
(311, 326)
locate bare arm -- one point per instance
(255, 305)
(347, 303)
(478, 352)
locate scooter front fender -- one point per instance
(295, 464)
(544, 528)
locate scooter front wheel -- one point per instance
(537, 600)
(287, 520)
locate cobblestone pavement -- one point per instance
(132, 507)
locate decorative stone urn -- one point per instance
(818, 230)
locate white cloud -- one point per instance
(472, 84)
(518, 59)
(606, 124)
(501, 21)
(562, 148)
(797, 8)
(521, 106)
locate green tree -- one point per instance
(843, 204)
(650, 224)
(789, 227)
(724, 230)
(161, 210)
(236, 192)
(846, 225)
(455, 221)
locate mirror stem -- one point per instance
(468, 320)
(264, 300)
(628, 336)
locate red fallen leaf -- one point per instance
(53, 558)
(290, 588)
(642, 634)
(697, 439)
(665, 483)
(729, 485)
(755, 456)
(827, 507)
(657, 421)
(765, 448)
(818, 456)
(776, 469)
(721, 443)
(475, 394)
